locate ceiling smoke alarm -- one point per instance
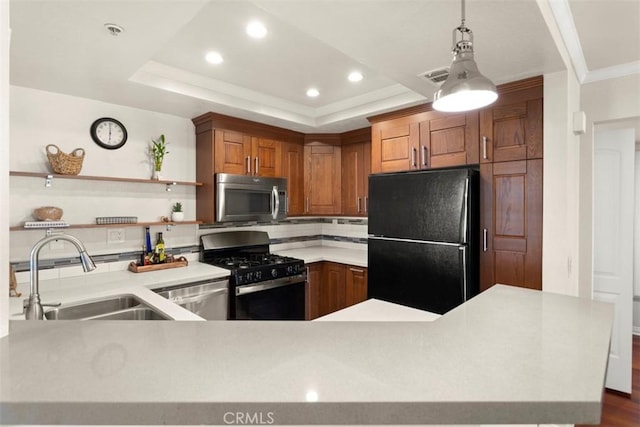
(437, 76)
(114, 29)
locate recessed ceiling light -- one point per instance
(256, 29)
(114, 29)
(312, 93)
(355, 76)
(214, 58)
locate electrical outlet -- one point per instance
(115, 235)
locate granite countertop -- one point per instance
(509, 355)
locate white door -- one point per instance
(613, 244)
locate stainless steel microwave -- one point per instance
(250, 198)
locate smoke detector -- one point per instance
(114, 29)
(436, 76)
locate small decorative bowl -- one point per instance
(47, 213)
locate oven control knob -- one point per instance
(258, 275)
(274, 273)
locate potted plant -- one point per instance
(158, 151)
(176, 212)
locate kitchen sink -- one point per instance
(119, 307)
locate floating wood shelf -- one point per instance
(136, 224)
(103, 178)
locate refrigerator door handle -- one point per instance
(463, 249)
(464, 229)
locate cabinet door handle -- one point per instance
(358, 204)
(424, 156)
(484, 148)
(485, 234)
(413, 157)
(256, 166)
(287, 202)
(248, 165)
(366, 204)
(306, 205)
(356, 270)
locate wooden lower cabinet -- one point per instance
(355, 285)
(314, 280)
(332, 286)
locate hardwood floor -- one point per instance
(620, 410)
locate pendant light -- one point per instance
(465, 89)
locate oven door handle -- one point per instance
(270, 284)
(276, 202)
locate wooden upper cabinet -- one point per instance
(429, 139)
(293, 170)
(511, 223)
(242, 154)
(322, 178)
(266, 157)
(356, 167)
(227, 144)
(394, 145)
(232, 152)
(449, 140)
(511, 129)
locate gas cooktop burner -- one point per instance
(254, 260)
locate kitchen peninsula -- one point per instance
(509, 355)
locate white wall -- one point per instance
(636, 246)
(4, 164)
(560, 185)
(39, 118)
(603, 101)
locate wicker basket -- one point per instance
(65, 164)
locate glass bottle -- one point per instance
(160, 255)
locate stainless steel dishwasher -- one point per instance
(208, 299)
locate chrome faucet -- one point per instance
(32, 306)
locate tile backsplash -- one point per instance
(184, 241)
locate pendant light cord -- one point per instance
(463, 13)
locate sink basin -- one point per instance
(136, 313)
(119, 307)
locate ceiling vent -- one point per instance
(437, 76)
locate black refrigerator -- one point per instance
(424, 237)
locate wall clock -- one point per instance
(108, 133)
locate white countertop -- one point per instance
(375, 310)
(312, 254)
(509, 355)
(71, 289)
(73, 286)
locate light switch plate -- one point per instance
(115, 235)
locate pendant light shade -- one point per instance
(465, 89)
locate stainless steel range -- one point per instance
(262, 286)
